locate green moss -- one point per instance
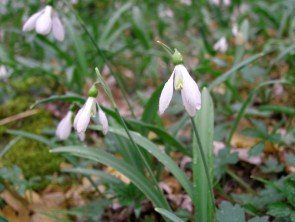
(31, 156)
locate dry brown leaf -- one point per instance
(117, 174)
(241, 141)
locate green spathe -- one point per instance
(177, 57)
(92, 92)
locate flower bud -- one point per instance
(177, 57)
(92, 92)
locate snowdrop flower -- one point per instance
(215, 2)
(218, 2)
(221, 45)
(226, 2)
(4, 74)
(89, 110)
(44, 22)
(186, 2)
(239, 37)
(64, 127)
(180, 80)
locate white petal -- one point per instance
(84, 117)
(226, 2)
(235, 29)
(221, 45)
(31, 22)
(166, 95)
(64, 127)
(81, 136)
(57, 28)
(190, 93)
(4, 74)
(215, 2)
(103, 121)
(44, 21)
(77, 117)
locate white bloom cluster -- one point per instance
(81, 121)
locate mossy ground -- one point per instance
(31, 156)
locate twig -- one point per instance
(18, 116)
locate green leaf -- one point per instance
(31, 136)
(204, 121)
(252, 73)
(229, 213)
(151, 107)
(279, 209)
(290, 158)
(157, 153)
(90, 172)
(79, 46)
(111, 22)
(8, 146)
(289, 190)
(256, 150)
(63, 98)
(163, 135)
(272, 166)
(126, 169)
(252, 132)
(278, 109)
(224, 158)
(171, 216)
(247, 102)
(3, 219)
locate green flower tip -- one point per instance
(92, 92)
(177, 57)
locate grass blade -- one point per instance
(63, 98)
(32, 136)
(166, 213)
(233, 70)
(90, 172)
(8, 146)
(157, 153)
(126, 169)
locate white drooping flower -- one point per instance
(4, 73)
(215, 2)
(239, 37)
(64, 127)
(44, 22)
(180, 80)
(84, 115)
(218, 2)
(226, 2)
(103, 121)
(221, 45)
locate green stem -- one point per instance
(102, 55)
(240, 181)
(204, 161)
